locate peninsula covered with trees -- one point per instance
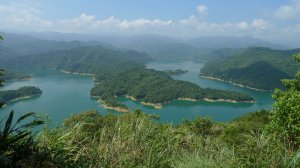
(21, 93)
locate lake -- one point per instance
(67, 94)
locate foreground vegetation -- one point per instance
(136, 139)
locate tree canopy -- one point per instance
(286, 109)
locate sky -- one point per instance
(272, 20)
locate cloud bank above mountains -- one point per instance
(276, 25)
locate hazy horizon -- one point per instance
(274, 21)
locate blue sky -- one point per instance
(163, 9)
(276, 20)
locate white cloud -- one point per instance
(202, 9)
(193, 22)
(140, 23)
(189, 26)
(26, 17)
(20, 15)
(242, 25)
(82, 20)
(260, 24)
(295, 29)
(289, 11)
(89, 23)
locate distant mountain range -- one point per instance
(158, 47)
(18, 45)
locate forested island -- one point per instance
(123, 73)
(255, 68)
(176, 72)
(21, 93)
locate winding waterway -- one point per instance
(66, 94)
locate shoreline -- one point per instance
(77, 73)
(16, 80)
(25, 97)
(20, 98)
(118, 109)
(235, 84)
(228, 101)
(187, 99)
(155, 105)
(131, 97)
(160, 105)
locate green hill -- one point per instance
(257, 67)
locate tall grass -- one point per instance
(137, 140)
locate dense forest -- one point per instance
(23, 92)
(260, 68)
(121, 73)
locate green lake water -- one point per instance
(66, 94)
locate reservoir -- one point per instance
(67, 94)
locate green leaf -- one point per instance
(7, 125)
(18, 137)
(33, 124)
(25, 116)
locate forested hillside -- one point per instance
(261, 68)
(16, 45)
(218, 54)
(90, 59)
